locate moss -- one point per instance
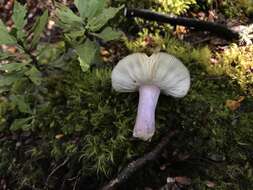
(236, 62)
(79, 118)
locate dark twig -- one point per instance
(139, 163)
(218, 29)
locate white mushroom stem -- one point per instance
(145, 122)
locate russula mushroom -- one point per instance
(149, 75)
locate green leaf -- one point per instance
(18, 17)
(34, 75)
(89, 8)
(86, 53)
(6, 55)
(39, 27)
(23, 123)
(4, 89)
(67, 19)
(96, 23)
(74, 35)
(19, 101)
(5, 37)
(6, 80)
(109, 34)
(11, 67)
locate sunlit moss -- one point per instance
(237, 62)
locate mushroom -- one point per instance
(150, 75)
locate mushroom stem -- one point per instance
(145, 122)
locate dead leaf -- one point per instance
(170, 180)
(234, 104)
(149, 41)
(201, 15)
(104, 52)
(162, 167)
(212, 15)
(180, 32)
(182, 157)
(59, 136)
(214, 60)
(210, 184)
(183, 180)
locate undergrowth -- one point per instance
(81, 120)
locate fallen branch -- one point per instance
(218, 29)
(139, 163)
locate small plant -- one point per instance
(26, 72)
(83, 32)
(176, 7)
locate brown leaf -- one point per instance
(183, 180)
(59, 136)
(104, 52)
(234, 104)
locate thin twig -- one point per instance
(55, 169)
(139, 163)
(76, 182)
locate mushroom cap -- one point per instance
(160, 69)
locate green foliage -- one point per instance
(231, 8)
(5, 37)
(236, 62)
(19, 13)
(176, 7)
(39, 27)
(91, 23)
(180, 49)
(36, 88)
(86, 53)
(95, 123)
(76, 116)
(247, 5)
(89, 8)
(150, 28)
(108, 34)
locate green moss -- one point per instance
(80, 118)
(236, 62)
(77, 117)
